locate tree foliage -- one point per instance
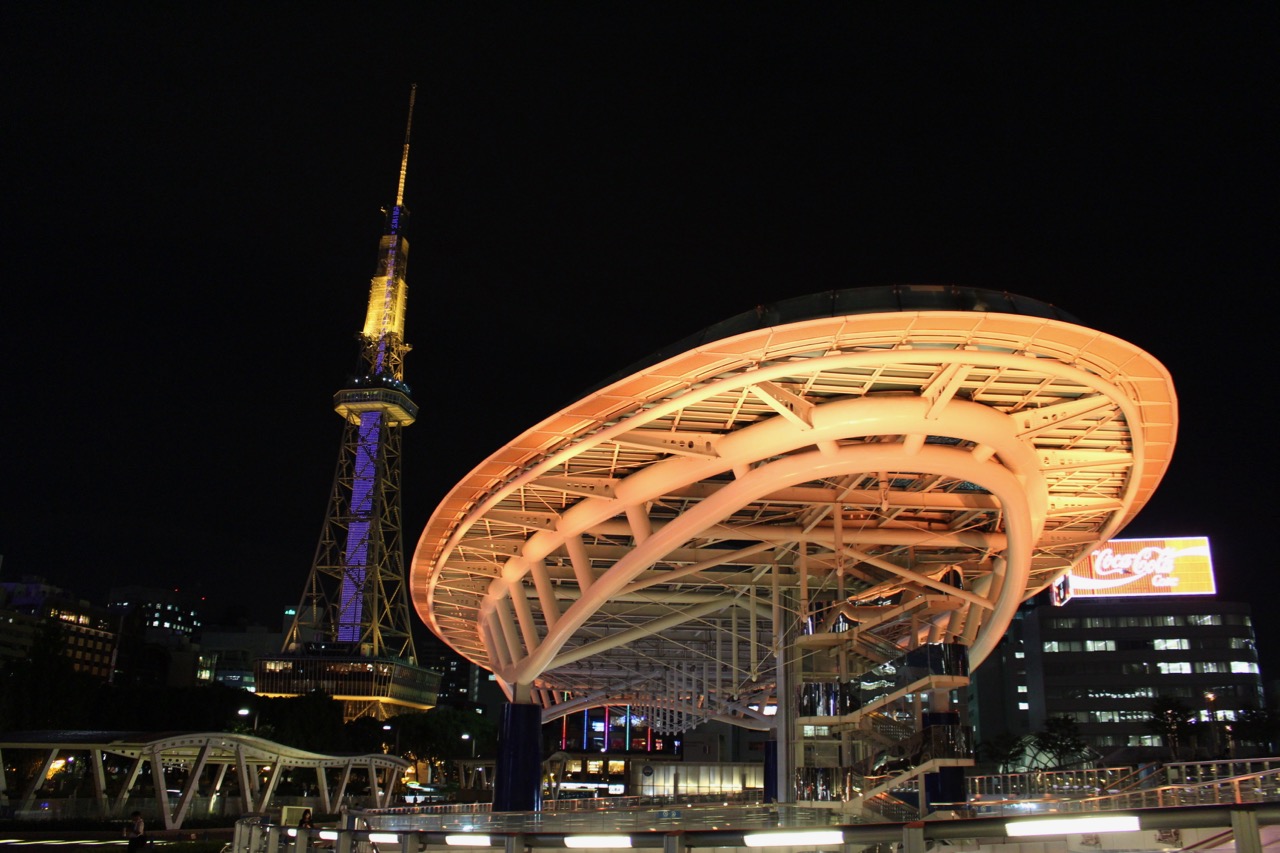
(1173, 720)
(433, 739)
(1006, 751)
(44, 690)
(1058, 745)
(1256, 728)
(312, 722)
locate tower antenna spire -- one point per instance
(404, 158)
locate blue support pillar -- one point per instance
(771, 771)
(947, 785)
(517, 782)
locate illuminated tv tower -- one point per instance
(351, 634)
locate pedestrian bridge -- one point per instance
(177, 775)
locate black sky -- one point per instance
(191, 196)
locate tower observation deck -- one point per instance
(351, 634)
(831, 506)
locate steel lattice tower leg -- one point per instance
(355, 592)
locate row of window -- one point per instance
(1130, 716)
(86, 643)
(1105, 742)
(71, 616)
(1249, 693)
(1177, 667)
(1153, 621)
(95, 668)
(1172, 644)
(1116, 741)
(172, 626)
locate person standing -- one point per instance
(136, 831)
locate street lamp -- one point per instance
(388, 727)
(1211, 697)
(244, 712)
(466, 736)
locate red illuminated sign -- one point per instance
(1124, 567)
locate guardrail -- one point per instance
(1244, 820)
(1251, 788)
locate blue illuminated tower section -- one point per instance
(351, 634)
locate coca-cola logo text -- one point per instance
(1158, 562)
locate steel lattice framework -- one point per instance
(351, 634)
(662, 541)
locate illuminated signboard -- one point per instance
(1123, 567)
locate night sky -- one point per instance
(191, 205)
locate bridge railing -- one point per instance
(1244, 821)
(1259, 787)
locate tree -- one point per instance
(1171, 719)
(434, 738)
(44, 690)
(365, 735)
(1258, 728)
(312, 721)
(1006, 751)
(1058, 744)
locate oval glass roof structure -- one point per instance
(942, 453)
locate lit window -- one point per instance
(1024, 706)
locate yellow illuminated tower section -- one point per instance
(351, 634)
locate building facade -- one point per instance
(1108, 664)
(88, 634)
(1104, 664)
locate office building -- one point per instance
(1134, 627)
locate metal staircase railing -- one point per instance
(935, 666)
(888, 770)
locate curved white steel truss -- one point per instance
(200, 761)
(660, 541)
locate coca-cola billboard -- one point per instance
(1142, 567)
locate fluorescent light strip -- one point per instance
(785, 839)
(328, 835)
(597, 841)
(468, 839)
(1070, 825)
(383, 838)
